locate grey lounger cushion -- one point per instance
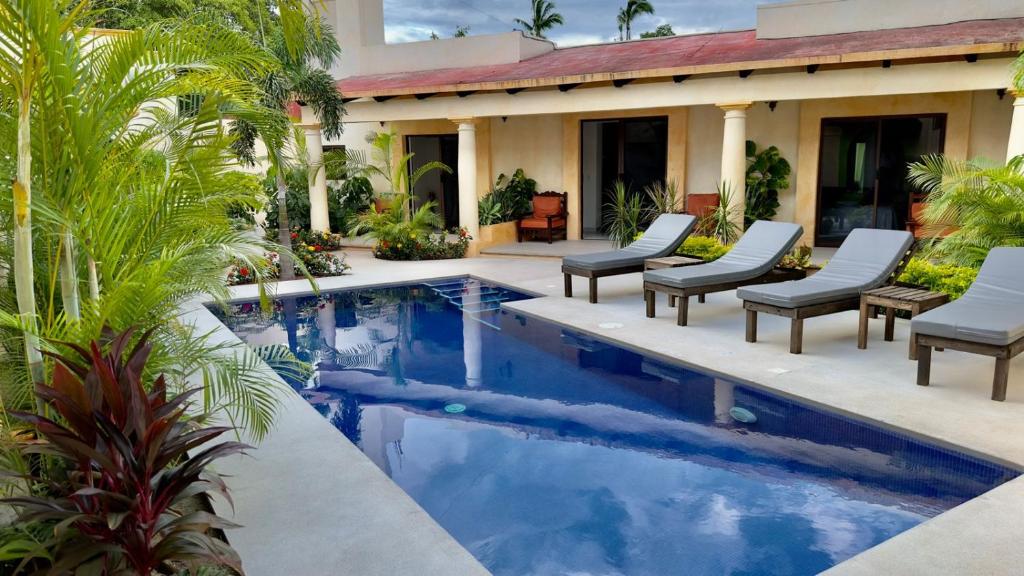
(865, 260)
(663, 237)
(756, 253)
(992, 309)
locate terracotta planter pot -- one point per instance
(382, 204)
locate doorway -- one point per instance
(437, 185)
(634, 150)
(862, 177)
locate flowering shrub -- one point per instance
(319, 261)
(323, 240)
(406, 244)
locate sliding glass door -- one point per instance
(634, 150)
(862, 180)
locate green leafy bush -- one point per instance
(347, 201)
(767, 173)
(509, 200)
(706, 248)
(344, 202)
(945, 278)
(490, 211)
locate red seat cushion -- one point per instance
(541, 223)
(544, 206)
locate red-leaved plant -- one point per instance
(117, 503)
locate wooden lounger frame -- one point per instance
(800, 313)
(683, 294)
(593, 275)
(1002, 354)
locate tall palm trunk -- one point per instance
(94, 280)
(284, 232)
(23, 273)
(69, 277)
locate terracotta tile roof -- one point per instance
(701, 53)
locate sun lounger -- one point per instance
(988, 319)
(663, 238)
(867, 259)
(751, 261)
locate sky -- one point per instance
(586, 21)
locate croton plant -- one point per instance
(124, 467)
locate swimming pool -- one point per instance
(546, 451)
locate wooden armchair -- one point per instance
(549, 214)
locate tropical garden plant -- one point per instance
(767, 173)
(721, 221)
(400, 179)
(624, 215)
(509, 200)
(543, 17)
(303, 48)
(663, 198)
(980, 205)
(127, 463)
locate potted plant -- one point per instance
(506, 203)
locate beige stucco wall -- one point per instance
(704, 158)
(990, 125)
(533, 143)
(677, 150)
(780, 128)
(956, 105)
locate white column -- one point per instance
(1015, 147)
(469, 216)
(318, 210)
(734, 157)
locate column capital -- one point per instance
(308, 125)
(734, 106)
(468, 120)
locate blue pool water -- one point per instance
(545, 451)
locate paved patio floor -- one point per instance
(979, 537)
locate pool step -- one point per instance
(472, 297)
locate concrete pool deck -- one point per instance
(311, 503)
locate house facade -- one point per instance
(849, 91)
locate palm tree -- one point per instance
(303, 57)
(126, 190)
(629, 13)
(982, 204)
(400, 179)
(543, 18)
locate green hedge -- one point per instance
(952, 280)
(706, 248)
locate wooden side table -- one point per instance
(672, 262)
(893, 298)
